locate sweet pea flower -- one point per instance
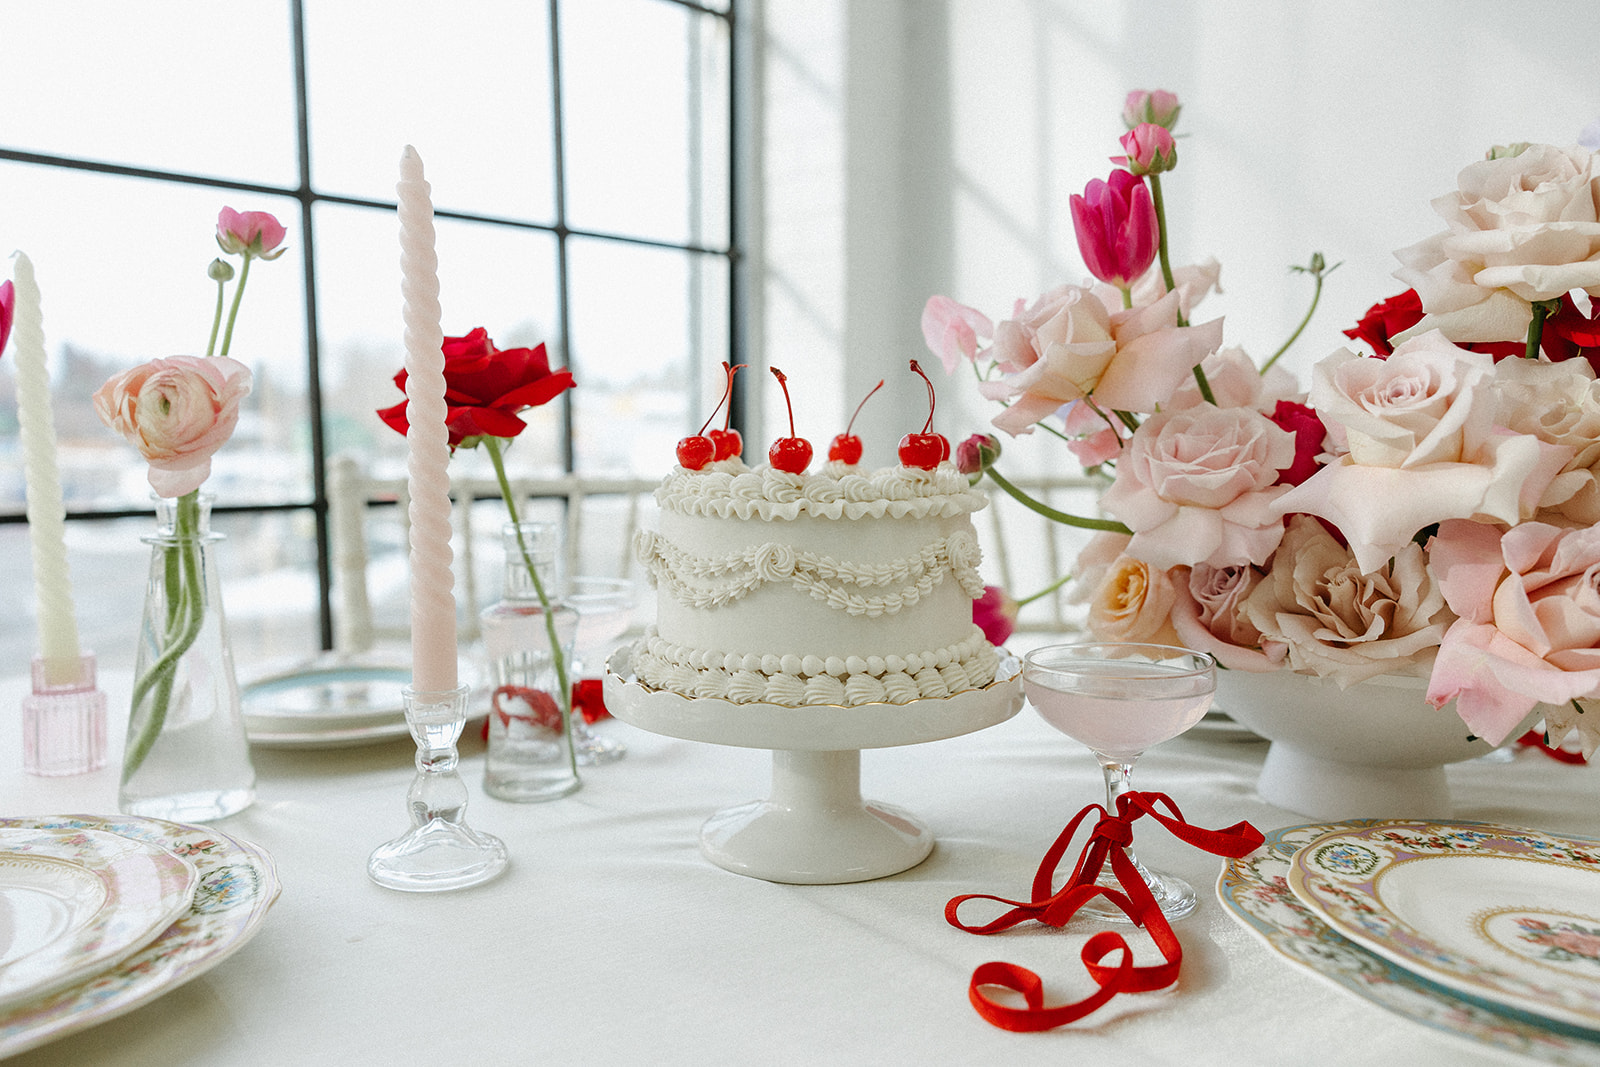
(1418, 445)
(1528, 632)
(951, 330)
(1150, 148)
(995, 614)
(1328, 617)
(1069, 346)
(8, 309)
(1520, 229)
(177, 412)
(254, 233)
(1198, 485)
(1092, 437)
(1115, 222)
(1152, 105)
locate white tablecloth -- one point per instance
(610, 940)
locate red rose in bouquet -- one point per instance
(485, 387)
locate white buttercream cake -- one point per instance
(844, 586)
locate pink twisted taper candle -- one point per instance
(433, 604)
(58, 628)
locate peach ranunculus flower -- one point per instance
(1529, 628)
(1419, 445)
(1209, 617)
(1332, 619)
(1521, 228)
(177, 412)
(1559, 403)
(1197, 485)
(1069, 345)
(1134, 603)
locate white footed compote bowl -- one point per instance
(440, 851)
(814, 828)
(1119, 699)
(605, 610)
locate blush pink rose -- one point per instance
(1209, 617)
(1529, 627)
(177, 412)
(1198, 485)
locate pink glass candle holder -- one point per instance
(64, 721)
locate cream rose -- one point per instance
(1134, 603)
(1198, 486)
(1419, 445)
(1333, 620)
(1559, 403)
(1519, 229)
(177, 412)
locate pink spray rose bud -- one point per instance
(255, 233)
(177, 412)
(1152, 105)
(1150, 148)
(977, 454)
(1117, 230)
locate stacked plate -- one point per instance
(1485, 932)
(100, 915)
(326, 704)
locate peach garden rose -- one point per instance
(177, 412)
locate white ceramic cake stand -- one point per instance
(814, 829)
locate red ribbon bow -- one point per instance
(1107, 840)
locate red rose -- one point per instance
(485, 387)
(1569, 334)
(1308, 434)
(1385, 319)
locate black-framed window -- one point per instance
(582, 157)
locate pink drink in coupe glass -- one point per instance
(1119, 708)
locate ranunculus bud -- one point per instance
(1151, 105)
(220, 270)
(1150, 148)
(255, 233)
(977, 454)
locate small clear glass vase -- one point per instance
(531, 755)
(187, 758)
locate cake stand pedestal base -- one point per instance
(815, 829)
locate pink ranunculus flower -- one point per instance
(1115, 223)
(1153, 105)
(1519, 228)
(257, 233)
(951, 330)
(1334, 620)
(995, 614)
(1128, 361)
(1151, 150)
(1134, 603)
(177, 412)
(1419, 445)
(1529, 627)
(1198, 485)
(1208, 616)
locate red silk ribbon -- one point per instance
(1535, 739)
(1107, 841)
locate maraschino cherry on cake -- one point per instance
(845, 586)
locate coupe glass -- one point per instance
(1120, 698)
(605, 611)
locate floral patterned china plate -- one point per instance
(73, 902)
(1508, 916)
(1256, 892)
(236, 886)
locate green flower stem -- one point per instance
(1542, 309)
(233, 312)
(1318, 273)
(1046, 591)
(1051, 513)
(564, 694)
(216, 319)
(185, 614)
(1166, 274)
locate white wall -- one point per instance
(915, 147)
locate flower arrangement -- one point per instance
(178, 411)
(1427, 509)
(486, 390)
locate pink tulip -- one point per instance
(8, 307)
(1150, 148)
(1117, 231)
(1154, 105)
(253, 233)
(951, 330)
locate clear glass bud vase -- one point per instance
(187, 757)
(530, 756)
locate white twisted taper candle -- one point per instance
(433, 604)
(47, 528)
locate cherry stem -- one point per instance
(918, 368)
(861, 405)
(778, 374)
(727, 391)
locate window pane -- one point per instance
(635, 158)
(498, 277)
(467, 84)
(644, 353)
(117, 292)
(187, 85)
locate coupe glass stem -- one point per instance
(1119, 780)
